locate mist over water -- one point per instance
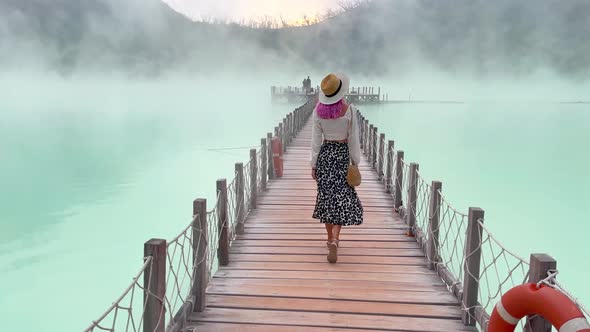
(110, 112)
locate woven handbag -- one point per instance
(353, 176)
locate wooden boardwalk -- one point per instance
(278, 278)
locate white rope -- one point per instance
(550, 280)
(116, 305)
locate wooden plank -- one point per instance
(322, 266)
(320, 305)
(315, 229)
(370, 295)
(322, 244)
(232, 327)
(296, 217)
(369, 216)
(296, 205)
(322, 251)
(321, 259)
(295, 225)
(310, 201)
(329, 275)
(354, 284)
(288, 208)
(318, 236)
(331, 320)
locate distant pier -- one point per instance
(357, 95)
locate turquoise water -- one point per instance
(86, 182)
(525, 164)
(90, 170)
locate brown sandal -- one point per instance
(333, 254)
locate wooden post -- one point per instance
(154, 281)
(293, 129)
(381, 156)
(270, 166)
(412, 198)
(285, 135)
(471, 265)
(288, 129)
(240, 208)
(362, 132)
(433, 226)
(264, 166)
(389, 170)
(374, 148)
(399, 179)
(282, 134)
(540, 264)
(253, 179)
(200, 238)
(222, 222)
(368, 137)
(292, 126)
(370, 151)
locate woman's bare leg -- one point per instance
(333, 245)
(336, 232)
(329, 230)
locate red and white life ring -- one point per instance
(528, 299)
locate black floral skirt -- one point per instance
(336, 203)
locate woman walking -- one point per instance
(335, 143)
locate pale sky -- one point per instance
(290, 10)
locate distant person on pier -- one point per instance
(335, 143)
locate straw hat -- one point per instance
(333, 88)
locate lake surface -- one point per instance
(90, 173)
(523, 163)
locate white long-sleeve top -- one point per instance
(336, 130)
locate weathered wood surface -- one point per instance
(278, 278)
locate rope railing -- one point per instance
(397, 180)
(476, 267)
(126, 312)
(234, 209)
(381, 157)
(500, 270)
(247, 193)
(181, 266)
(404, 186)
(574, 299)
(213, 234)
(451, 230)
(421, 209)
(259, 175)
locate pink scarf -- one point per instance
(330, 111)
